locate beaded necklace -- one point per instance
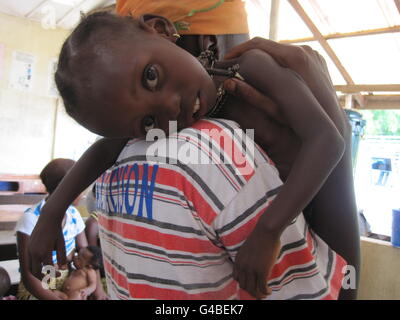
(207, 58)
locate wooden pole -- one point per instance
(347, 34)
(273, 20)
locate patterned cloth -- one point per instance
(171, 228)
(193, 16)
(74, 225)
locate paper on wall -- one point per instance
(21, 75)
(2, 55)
(52, 88)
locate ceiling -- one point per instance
(360, 39)
(57, 13)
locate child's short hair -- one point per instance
(95, 33)
(5, 282)
(97, 259)
(54, 171)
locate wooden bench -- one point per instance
(17, 193)
(23, 184)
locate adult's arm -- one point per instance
(81, 241)
(92, 231)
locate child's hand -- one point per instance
(254, 262)
(100, 295)
(46, 237)
(84, 294)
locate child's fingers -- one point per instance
(251, 284)
(262, 285)
(241, 279)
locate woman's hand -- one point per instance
(46, 237)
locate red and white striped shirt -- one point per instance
(170, 226)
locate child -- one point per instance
(82, 282)
(5, 282)
(138, 85)
(73, 230)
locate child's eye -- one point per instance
(150, 77)
(148, 123)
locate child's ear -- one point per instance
(158, 24)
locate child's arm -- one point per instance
(99, 293)
(333, 210)
(47, 234)
(92, 283)
(322, 147)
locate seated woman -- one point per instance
(72, 228)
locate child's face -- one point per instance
(83, 258)
(147, 82)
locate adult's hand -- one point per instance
(303, 60)
(46, 237)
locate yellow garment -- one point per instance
(193, 16)
(57, 283)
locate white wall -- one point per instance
(33, 129)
